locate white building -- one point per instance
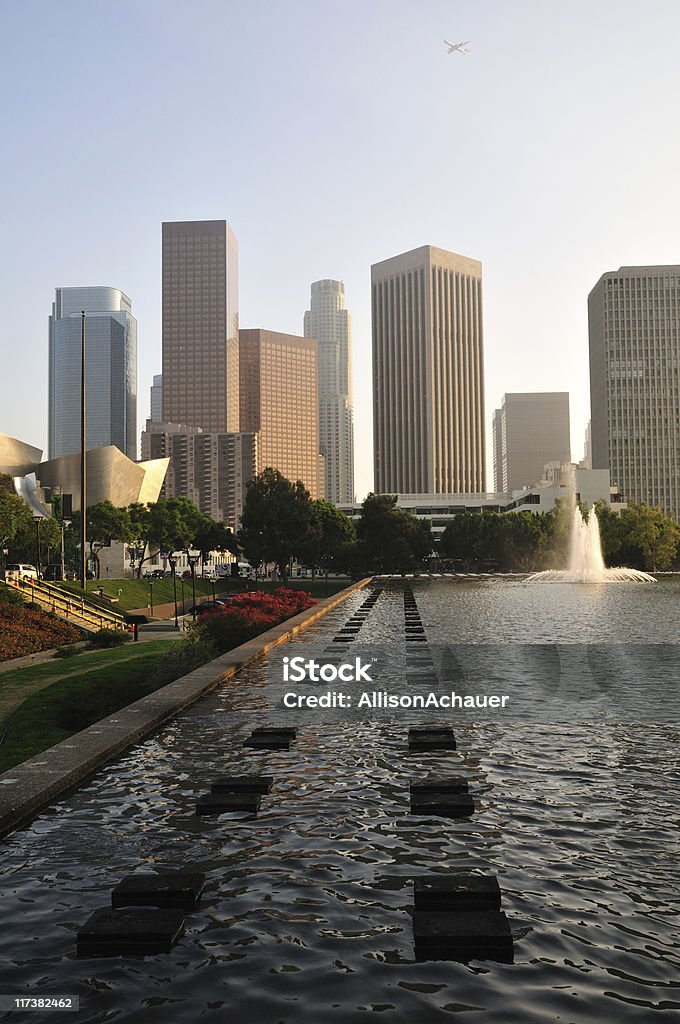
(111, 371)
(330, 322)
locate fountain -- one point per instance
(586, 562)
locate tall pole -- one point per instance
(83, 470)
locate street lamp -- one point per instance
(38, 520)
(193, 557)
(151, 594)
(173, 565)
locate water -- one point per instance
(306, 913)
(586, 560)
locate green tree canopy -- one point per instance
(105, 523)
(390, 539)
(331, 540)
(277, 520)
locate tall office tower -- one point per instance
(497, 433)
(330, 322)
(200, 325)
(428, 374)
(212, 470)
(587, 462)
(530, 430)
(279, 401)
(111, 371)
(156, 398)
(634, 331)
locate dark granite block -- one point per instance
(281, 742)
(223, 803)
(137, 931)
(275, 730)
(242, 784)
(462, 936)
(180, 889)
(444, 784)
(456, 891)
(426, 731)
(432, 743)
(443, 805)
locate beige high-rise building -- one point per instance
(200, 325)
(279, 402)
(212, 470)
(330, 322)
(428, 374)
(530, 430)
(634, 331)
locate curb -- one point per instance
(31, 786)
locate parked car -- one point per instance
(205, 607)
(19, 571)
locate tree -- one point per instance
(277, 520)
(106, 522)
(213, 536)
(15, 515)
(649, 538)
(390, 539)
(331, 539)
(174, 524)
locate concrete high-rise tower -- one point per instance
(634, 331)
(111, 371)
(330, 322)
(200, 325)
(428, 374)
(156, 399)
(530, 429)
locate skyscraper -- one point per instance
(212, 470)
(200, 325)
(330, 322)
(111, 371)
(428, 373)
(156, 399)
(634, 331)
(279, 402)
(530, 429)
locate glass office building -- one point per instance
(111, 371)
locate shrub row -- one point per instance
(246, 615)
(26, 630)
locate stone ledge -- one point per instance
(31, 786)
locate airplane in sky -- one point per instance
(457, 47)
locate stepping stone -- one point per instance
(225, 803)
(416, 639)
(242, 784)
(444, 805)
(422, 680)
(448, 785)
(431, 739)
(135, 931)
(180, 889)
(462, 935)
(275, 730)
(457, 891)
(276, 742)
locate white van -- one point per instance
(16, 571)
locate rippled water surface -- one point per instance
(306, 914)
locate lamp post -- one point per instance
(193, 557)
(37, 520)
(151, 594)
(173, 565)
(83, 467)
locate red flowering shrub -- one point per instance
(247, 615)
(25, 630)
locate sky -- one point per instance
(332, 136)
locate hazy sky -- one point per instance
(332, 136)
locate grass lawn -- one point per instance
(136, 593)
(48, 703)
